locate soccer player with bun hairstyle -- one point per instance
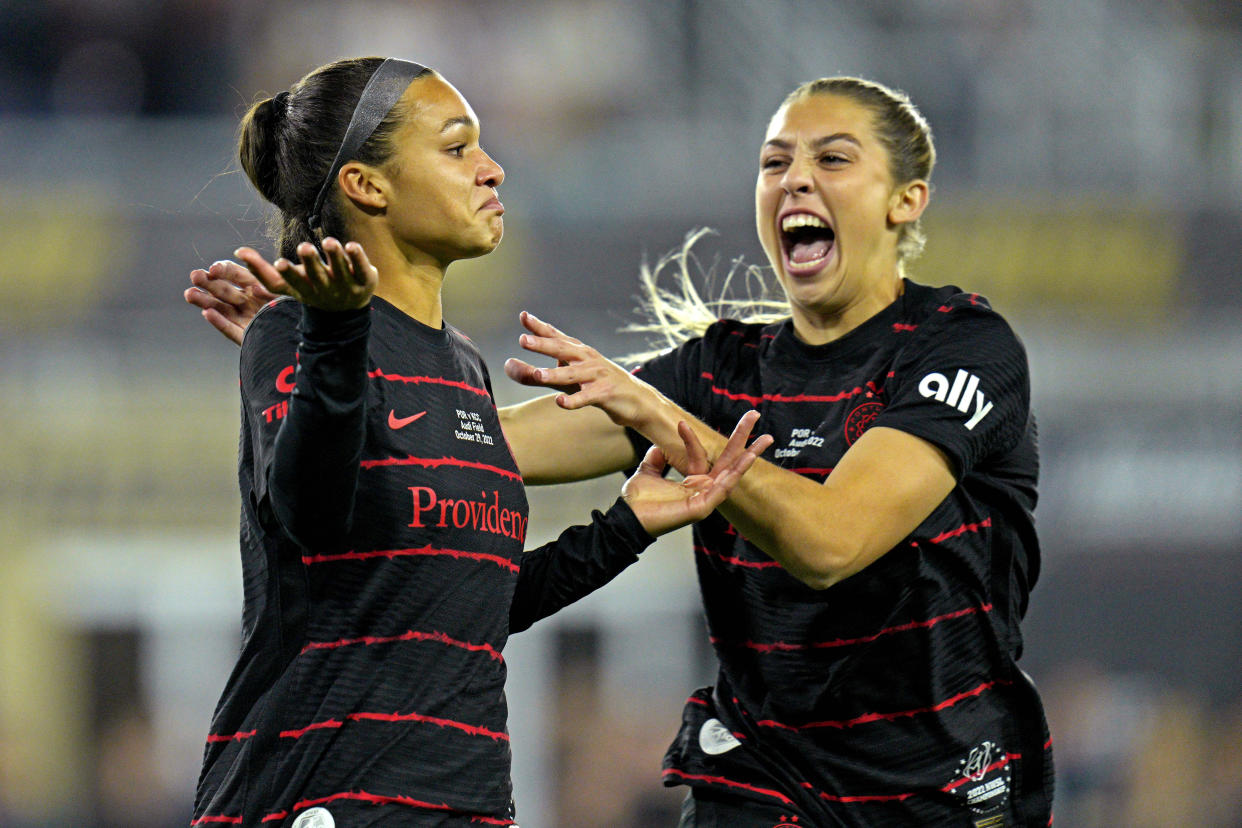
(864, 583)
(383, 515)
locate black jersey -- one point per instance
(383, 521)
(891, 698)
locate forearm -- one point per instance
(314, 470)
(577, 563)
(823, 533)
(552, 445)
(769, 506)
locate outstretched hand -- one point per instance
(582, 375)
(228, 297)
(345, 281)
(663, 505)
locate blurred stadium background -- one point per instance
(1090, 165)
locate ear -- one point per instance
(364, 185)
(909, 201)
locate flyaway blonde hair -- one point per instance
(671, 309)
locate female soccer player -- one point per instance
(864, 587)
(383, 517)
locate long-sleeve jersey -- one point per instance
(382, 531)
(893, 697)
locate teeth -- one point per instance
(801, 220)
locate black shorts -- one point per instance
(708, 809)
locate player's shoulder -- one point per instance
(734, 333)
(274, 327)
(278, 313)
(458, 338)
(949, 309)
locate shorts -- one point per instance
(707, 809)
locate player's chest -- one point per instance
(815, 413)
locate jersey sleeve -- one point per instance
(577, 563)
(962, 384)
(304, 391)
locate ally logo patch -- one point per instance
(962, 393)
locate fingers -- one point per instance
(538, 327)
(339, 265)
(737, 440)
(521, 372)
(266, 273)
(314, 269)
(561, 349)
(231, 330)
(696, 455)
(654, 462)
(229, 272)
(364, 272)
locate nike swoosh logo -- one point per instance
(395, 422)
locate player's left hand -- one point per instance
(662, 505)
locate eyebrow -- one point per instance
(818, 143)
(460, 120)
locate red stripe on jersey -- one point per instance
(736, 561)
(334, 724)
(379, 799)
(217, 820)
(900, 327)
(784, 398)
(785, 646)
(411, 635)
(795, 398)
(276, 817)
(229, 737)
(379, 374)
(961, 530)
(436, 462)
(504, 563)
(696, 700)
(729, 783)
(809, 470)
(864, 798)
(868, 718)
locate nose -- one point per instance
(490, 173)
(797, 179)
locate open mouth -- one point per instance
(806, 239)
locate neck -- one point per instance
(410, 283)
(819, 326)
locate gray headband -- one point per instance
(379, 96)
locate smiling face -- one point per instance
(442, 203)
(829, 214)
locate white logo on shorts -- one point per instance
(315, 818)
(715, 738)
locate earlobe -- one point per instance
(909, 202)
(364, 185)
